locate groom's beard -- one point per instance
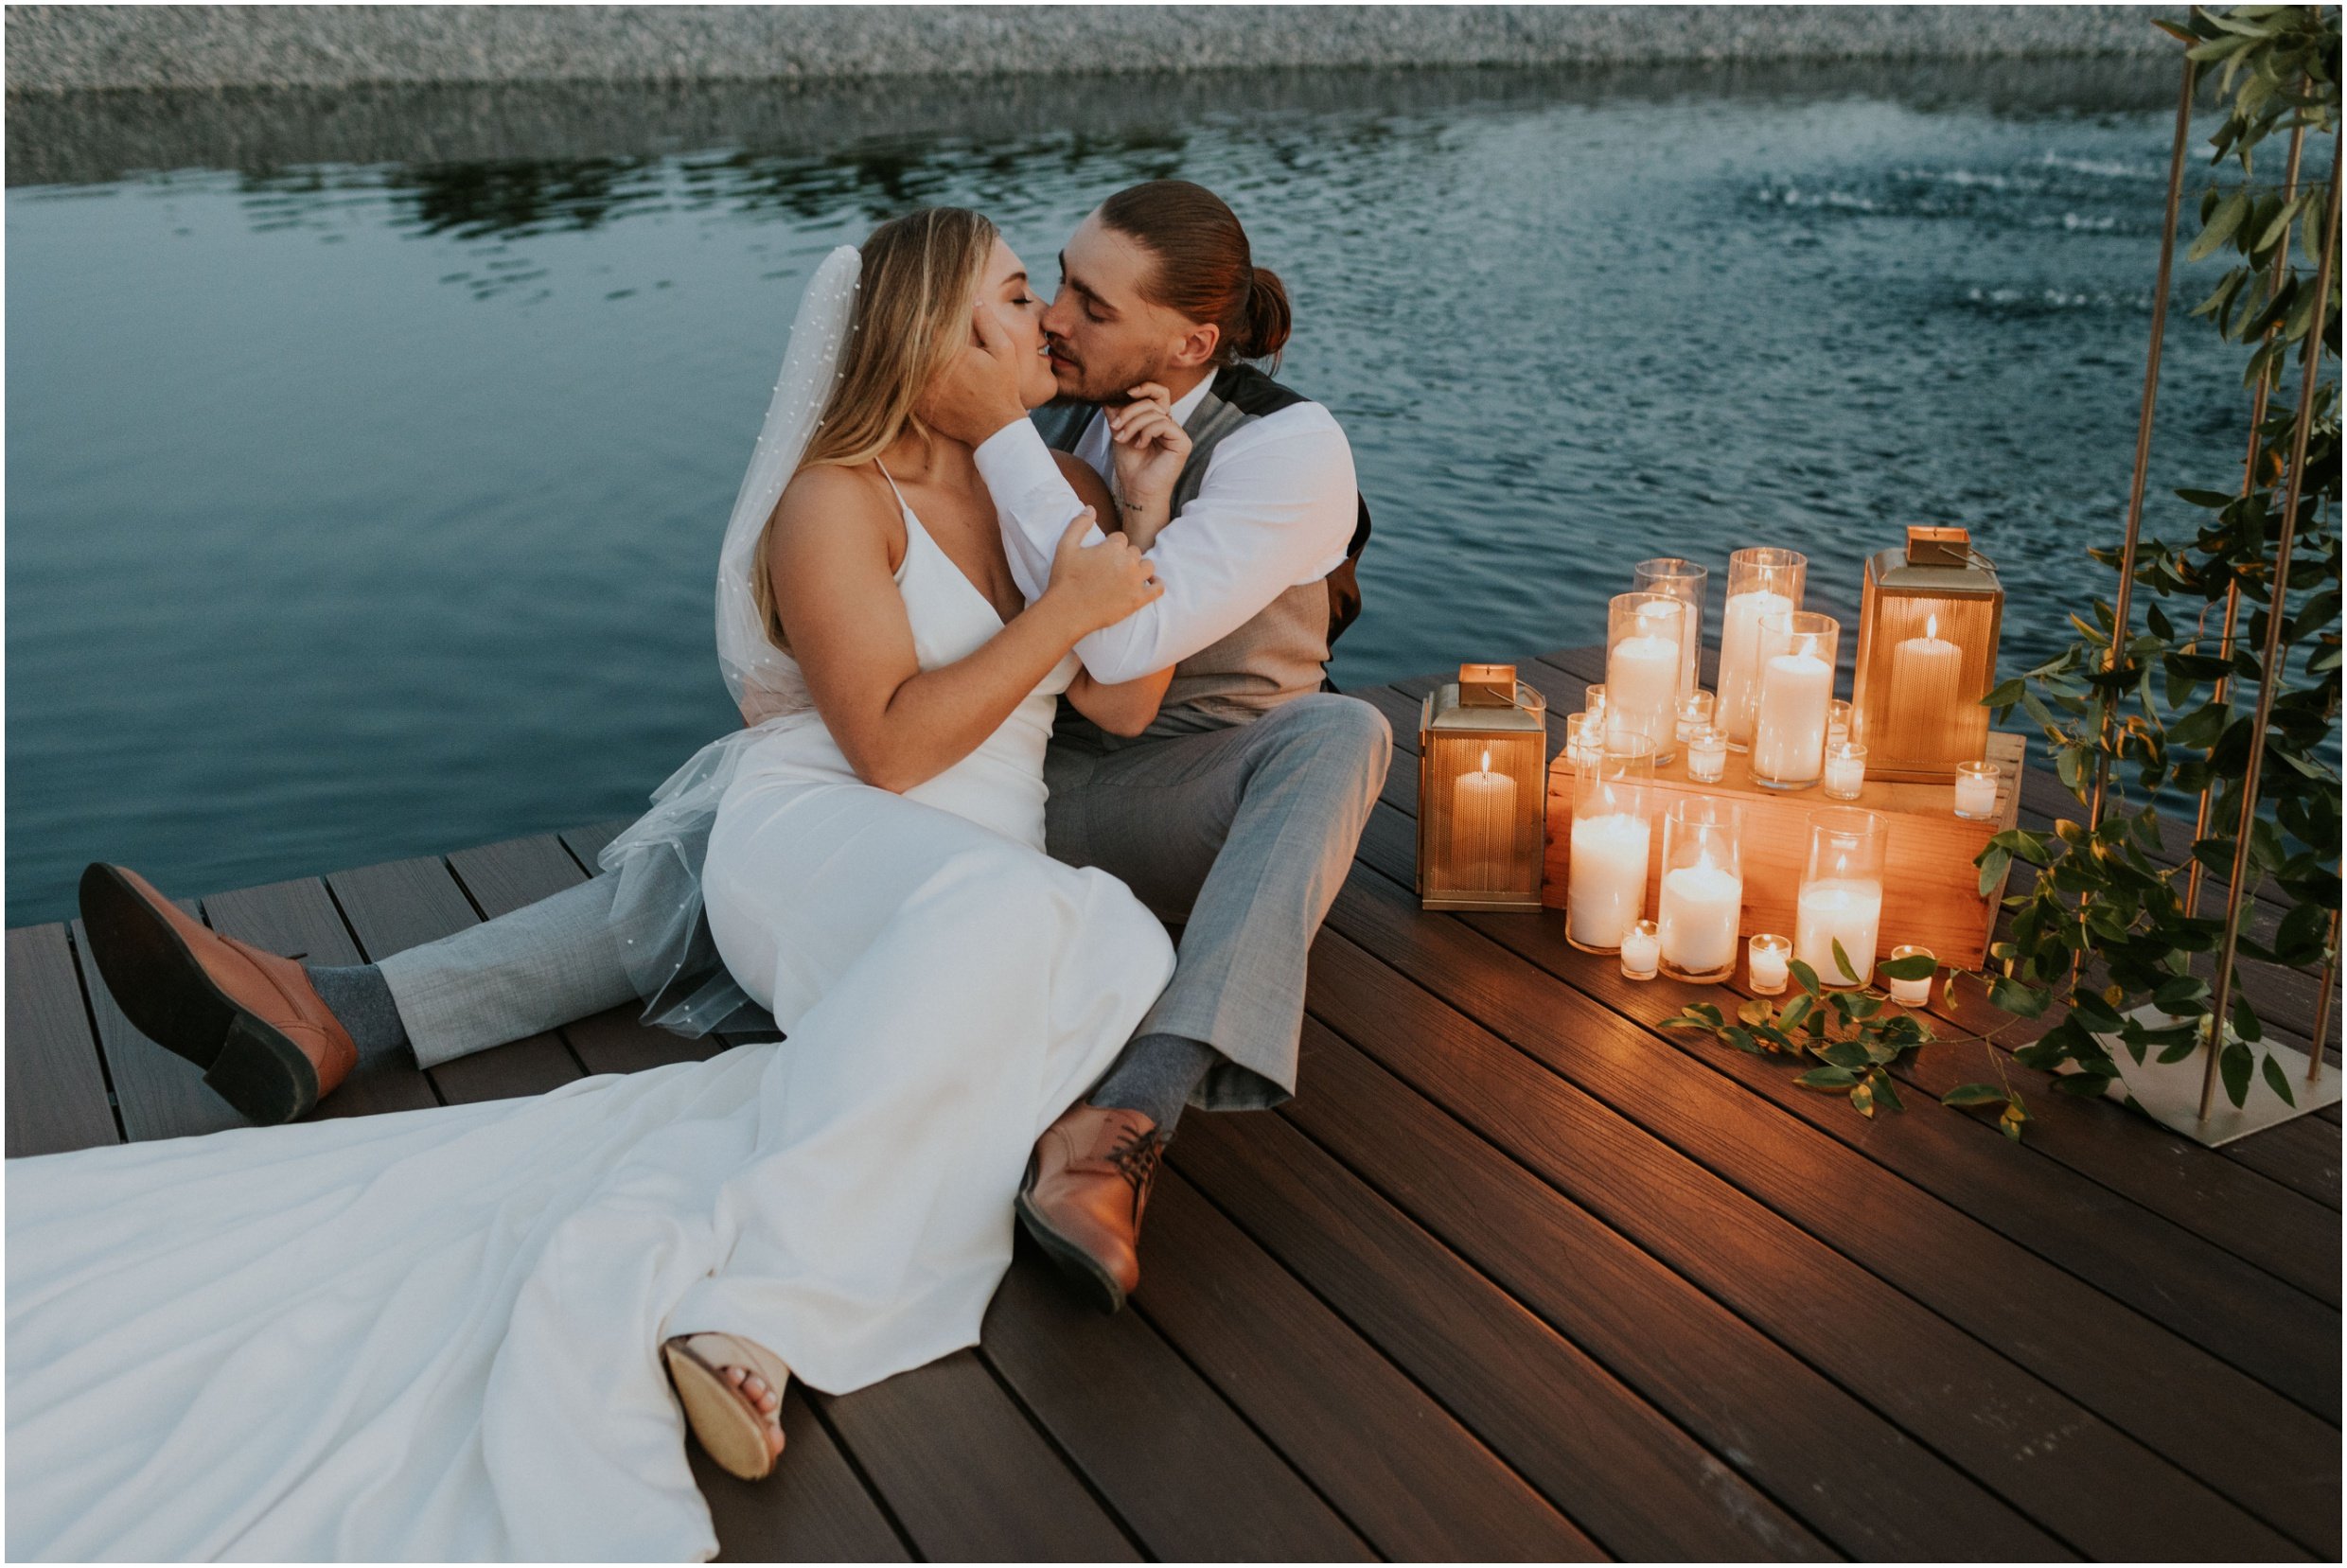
(1078, 384)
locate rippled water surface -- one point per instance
(365, 469)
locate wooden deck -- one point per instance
(1515, 1276)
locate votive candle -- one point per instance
(1707, 754)
(1768, 957)
(1837, 722)
(1912, 993)
(1976, 791)
(1695, 709)
(1845, 769)
(1642, 950)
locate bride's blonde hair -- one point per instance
(912, 316)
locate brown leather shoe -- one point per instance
(251, 1019)
(1087, 1183)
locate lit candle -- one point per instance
(1483, 826)
(1642, 679)
(1700, 905)
(1769, 955)
(1605, 879)
(1845, 769)
(1694, 713)
(1912, 993)
(1976, 791)
(1925, 675)
(1739, 659)
(1849, 912)
(1642, 949)
(1707, 754)
(1788, 737)
(1837, 722)
(1584, 738)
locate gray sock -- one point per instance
(360, 1002)
(1154, 1077)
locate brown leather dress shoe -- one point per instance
(251, 1019)
(1086, 1185)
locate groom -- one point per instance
(1236, 812)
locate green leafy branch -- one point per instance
(1856, 1034)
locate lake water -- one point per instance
(367, 454)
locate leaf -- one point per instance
(2020, 1000)
(1756, 1012)
(2013, 1119)
(1742, 1039)
(2279, 1081)
(1826, 1078)
(2023, 845)
(1916, 966)
(2234, 1066)
(1805, 977)
(1862, 1097)
(2220, 228)
(1844, 1053)
(1973, 1094)
(1886, 1091)
(1841, 961)
(1797, 1010)
(1994, 863)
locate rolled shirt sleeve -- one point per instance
(1276, 508)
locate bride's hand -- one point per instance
(1150, 446)
(1099, 585)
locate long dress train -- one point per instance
(434, 1334)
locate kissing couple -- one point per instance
(988, 752)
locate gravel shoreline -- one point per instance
(73, 48)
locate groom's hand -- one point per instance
(978, 393)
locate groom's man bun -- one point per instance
(1205, 268)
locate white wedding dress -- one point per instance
(434, 1334)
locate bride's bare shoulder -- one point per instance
(833, 498)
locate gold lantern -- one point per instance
(1482, 792)
(1926, 654)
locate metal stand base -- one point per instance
(2171, 1094)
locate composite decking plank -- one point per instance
(158, 1093)
(813, 1508)
(2302, 1155)
(2249, 1442)
(2133, 1255)
(1380, 1049)
(56, 1087)
(967, 1474)
(404, 904)
(2174, 1176)
(1643, 1488)
(300, 916)
(586, 843)
(1399, 1467)
(502, 877)
(1191, 1481)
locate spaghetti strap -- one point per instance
(901, 501)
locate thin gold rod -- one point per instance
(2198, 874)
(2120, 610)
(2322, 1003)
(2277, 612)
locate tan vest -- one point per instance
(1282, 651)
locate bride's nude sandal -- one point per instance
(721, 1415)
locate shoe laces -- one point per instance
(1135, 1156)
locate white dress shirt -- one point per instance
(1277, 507)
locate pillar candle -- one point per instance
(1925, 675)
(1642, 689)
(1700, 905)
(1483, 826)
(1740, 659)
(1605, 878)
(1788, 737)
(1850, 911)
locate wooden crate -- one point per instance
(1930, 888)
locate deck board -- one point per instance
(56, 1087)
(1515, 1275)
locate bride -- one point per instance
(453, 1333)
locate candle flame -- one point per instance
(1487, 759)
(1931, 625)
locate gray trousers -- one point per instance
(1240, 832)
